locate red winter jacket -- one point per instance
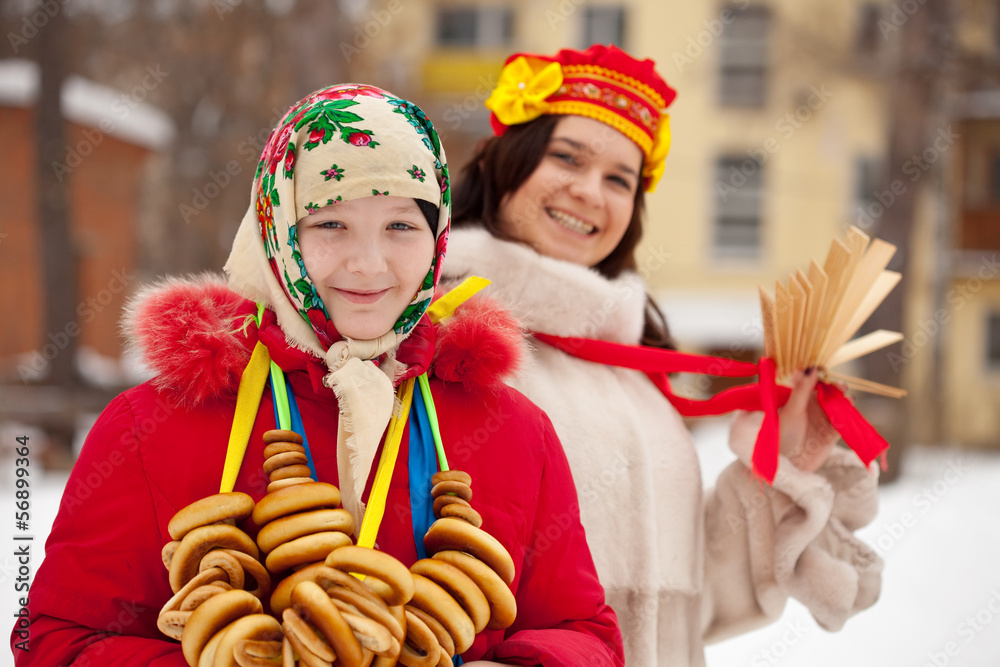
(161, 445)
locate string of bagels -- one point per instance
(418, 616)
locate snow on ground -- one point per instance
(938, 530)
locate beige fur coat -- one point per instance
(680, 566)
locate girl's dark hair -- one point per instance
(501, 165)
(430, 212)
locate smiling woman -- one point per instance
(578, 202)
(551, 210)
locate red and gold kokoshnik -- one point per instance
(603, 83)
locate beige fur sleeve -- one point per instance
(793, 539)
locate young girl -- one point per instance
(329, 283)
(551, 211)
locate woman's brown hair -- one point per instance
(501, 165)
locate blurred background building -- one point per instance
(794, 121)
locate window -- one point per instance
(743, 58)
(475, 26)
(993, 341)
(603, 25)
(738, 193)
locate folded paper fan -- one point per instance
(810, 322)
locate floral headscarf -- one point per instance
(339, 143)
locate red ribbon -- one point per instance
(764, 395)
(859, 435)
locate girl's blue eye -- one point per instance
(400, 225)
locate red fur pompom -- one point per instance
(188, 333)
(480, 345)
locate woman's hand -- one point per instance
(807, 437)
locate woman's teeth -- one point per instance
(570, 222)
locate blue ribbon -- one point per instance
(422, 465)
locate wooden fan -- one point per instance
(810, 322)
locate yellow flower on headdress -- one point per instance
(523, 88)
(653, 168)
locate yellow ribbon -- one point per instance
(523, 89)
(247, 401)
(386, 464)
(445, 307)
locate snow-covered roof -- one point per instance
(708, 319)
(112, 111)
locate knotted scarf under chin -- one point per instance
(366, 399)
